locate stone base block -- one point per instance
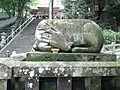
(47, 56)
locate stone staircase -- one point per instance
(24, 41)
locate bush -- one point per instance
(111, 36)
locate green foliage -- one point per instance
(75, 9)
(105, 12)
(12, 6)
(111, 36)
(7, 6)
(114, 9)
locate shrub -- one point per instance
(111, 36)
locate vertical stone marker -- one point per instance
(93, 83)
(32, 83)
(3, 84)
(5, 74)
(64, 83)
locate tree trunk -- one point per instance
(99, 10)
(13, 10)
(8, 12)
(51, 9)
(20, 9)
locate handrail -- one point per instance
(17, 31)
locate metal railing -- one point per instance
(14, 34)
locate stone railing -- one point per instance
(112, 48)
(81, 72)
(14, 33)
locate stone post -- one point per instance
(64, 83)
(3, 84)
(7, 53)
(3, 41)
(5, 74)
(32, 83)
(51, 9)
(113, 47)
(93, 83)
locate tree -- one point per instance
(21, 4)
(6, 5)
(75, 9)
(114, 10)
(12, 6)
(101, 5)
(84, 8)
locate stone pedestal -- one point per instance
(72, 71)
(45, 56)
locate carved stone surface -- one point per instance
(45, 56)
(5, 72)
(66, 69)
(32, 83)
(92, 71)
(69, 35)
(3, 84)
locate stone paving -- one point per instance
(24, 41)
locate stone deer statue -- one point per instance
(69, 35)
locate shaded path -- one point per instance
(24, 41)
